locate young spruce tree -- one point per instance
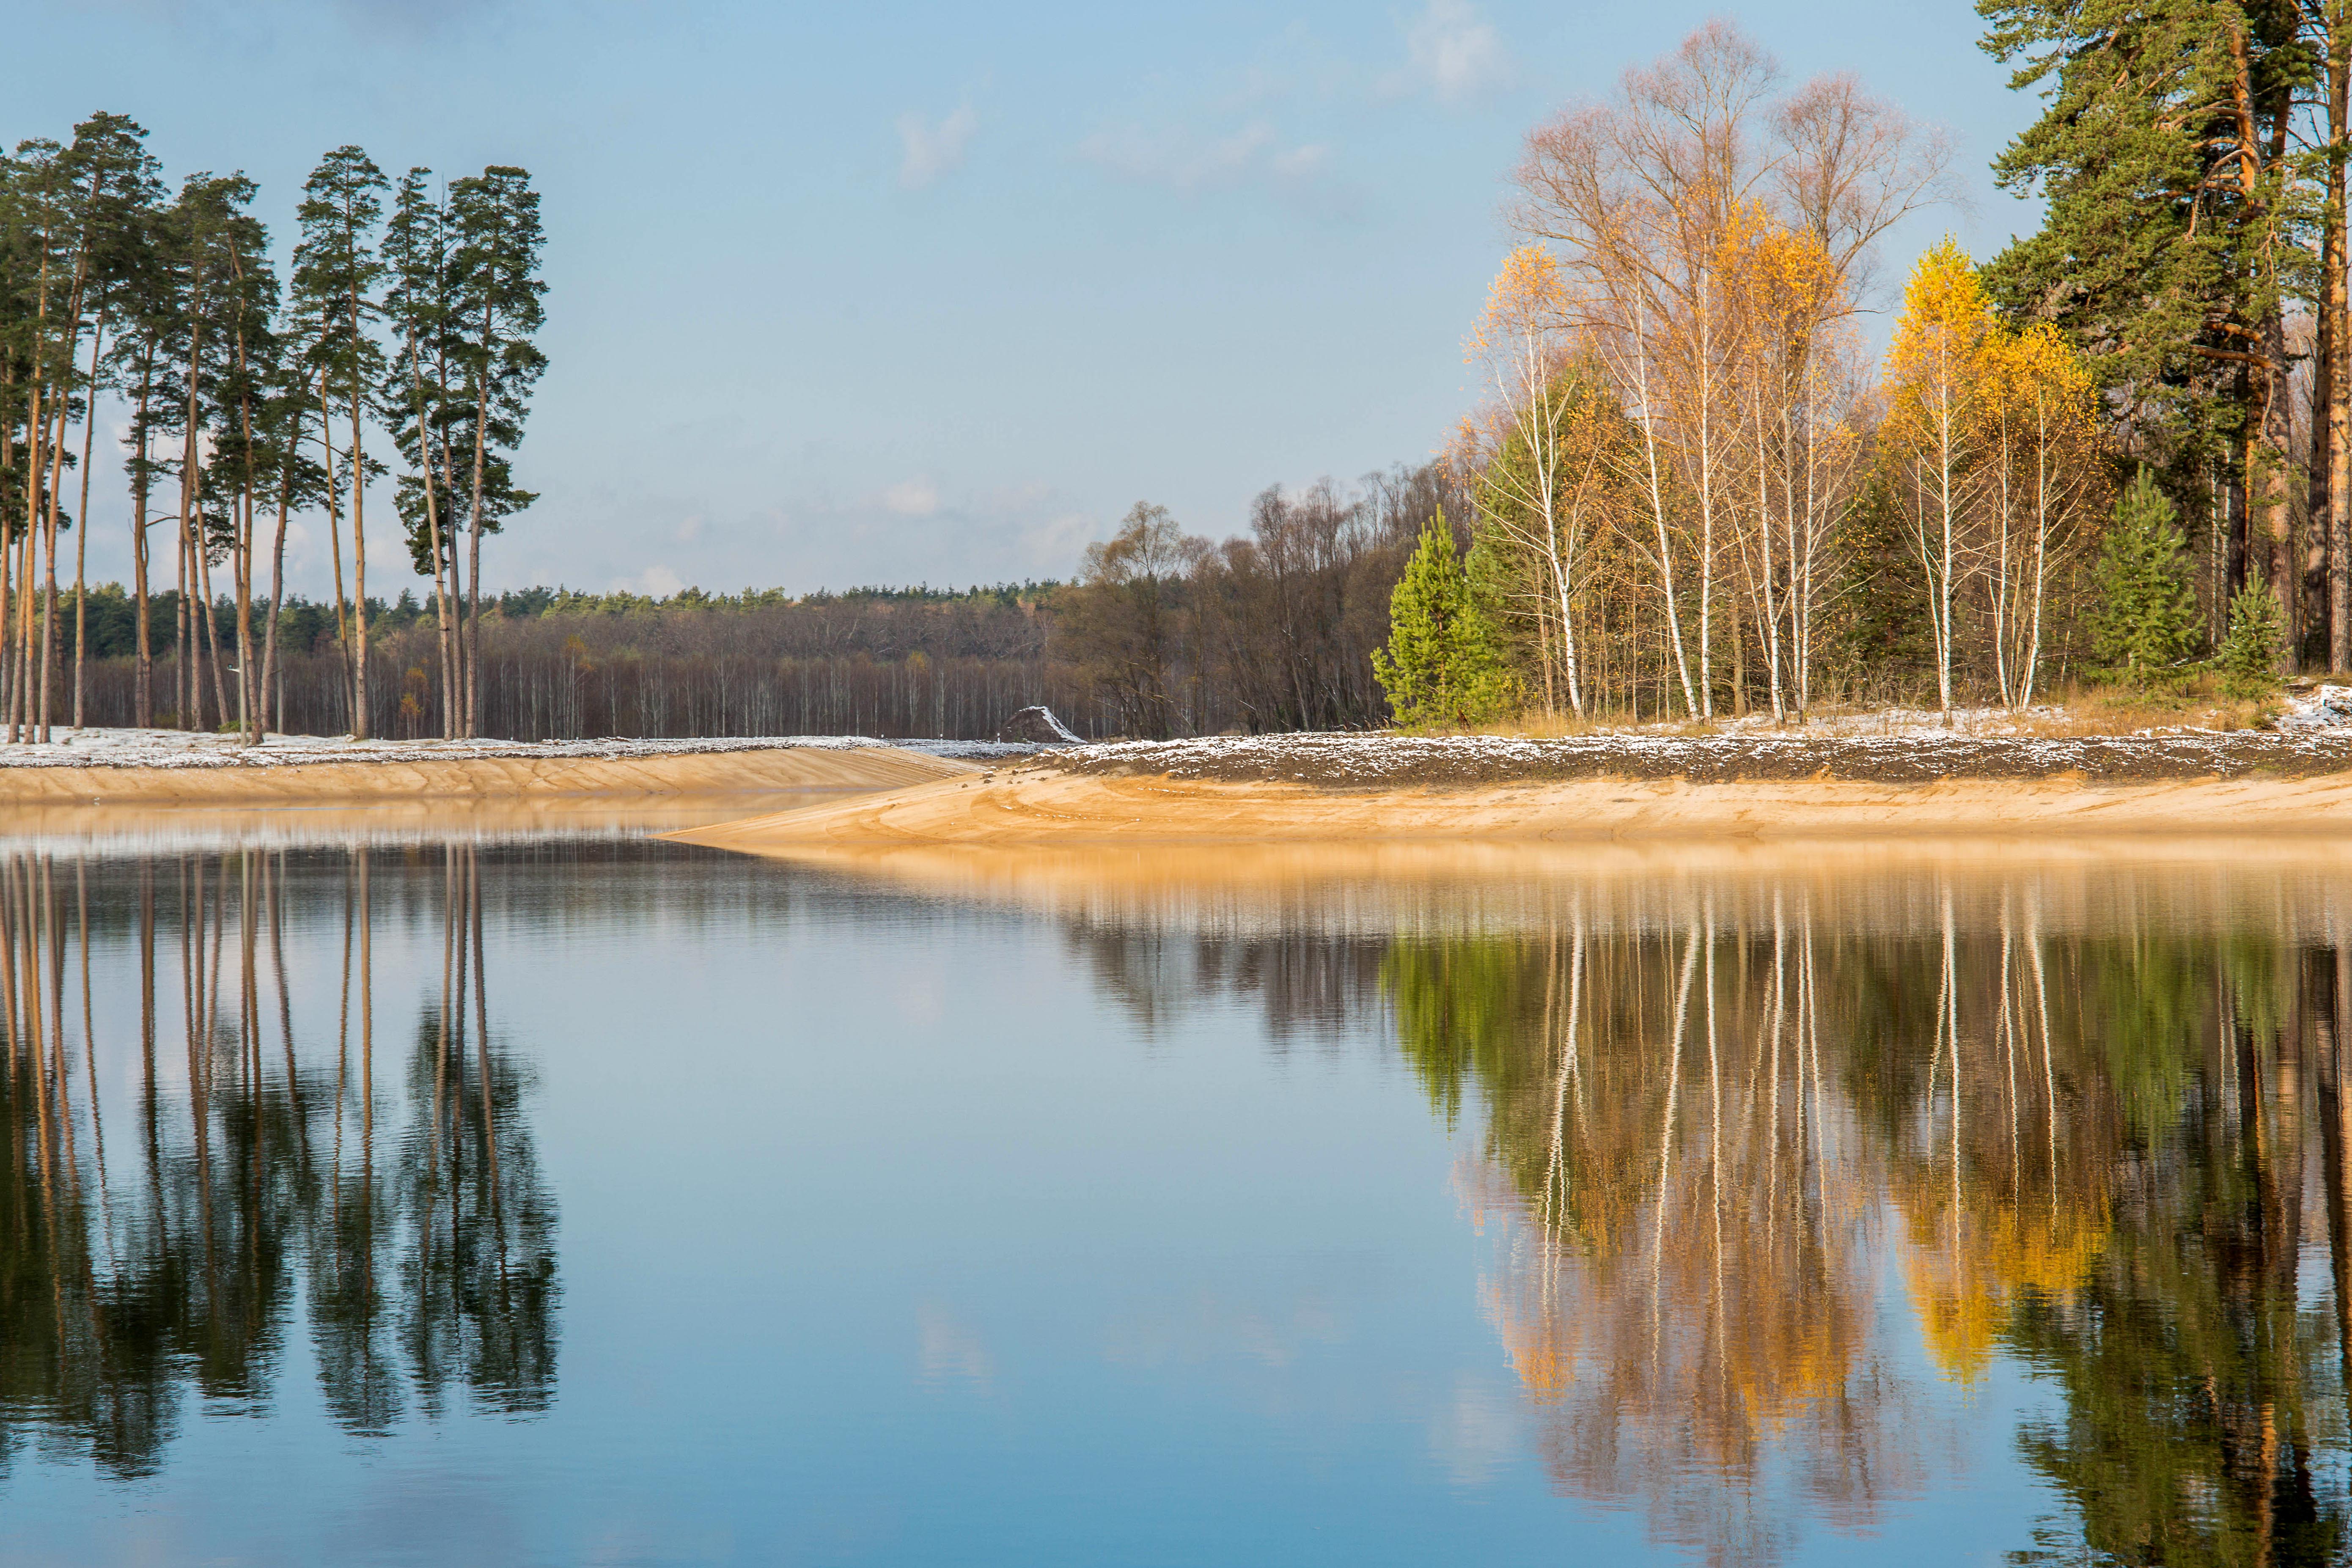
(2144, 615)
(1443, 664)
(2249, 654)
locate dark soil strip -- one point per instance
(1368, 762)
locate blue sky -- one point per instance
(900, 293)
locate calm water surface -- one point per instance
(557, 1196)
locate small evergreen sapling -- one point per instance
(2144, 622)
(2250, 654)
(1443, 664)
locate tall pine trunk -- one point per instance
(2278, 518)
(334, 535)
(82, 526)
(2336, 336)
(49, 573)
(473, 549)
(191, 693)
(276, 602)
(35, 428)
(143, 695)
(444, 609)
(462, 679)
(361, 727)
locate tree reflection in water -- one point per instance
(1789, 1174)
(1707, 1136)
(263, 1159)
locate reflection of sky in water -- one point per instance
(895, 1225)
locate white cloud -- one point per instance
(929, 153)
(912, 498)
(654, 583)
(1302, 162)
(1456, 55)
(1177, 161)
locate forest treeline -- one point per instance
(404, 329)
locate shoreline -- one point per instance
(512, 773)
(1051, 804)
(1381, 788)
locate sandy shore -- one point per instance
(410, 778)
(1049, 805)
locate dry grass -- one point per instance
(2079, 710)
(2120, 711)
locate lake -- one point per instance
(539, 1193)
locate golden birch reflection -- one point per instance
(184, 1185)
(1764, 1182)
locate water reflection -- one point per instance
(367, 1174)
(1812, 1194)
(1781, 1172)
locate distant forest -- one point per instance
(1274, 631)
(559, 664)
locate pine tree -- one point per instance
(416, 404)
(296, 483)
(2144, 618)
(496, 291)
(121, 187)
(2170, 239)
(336, 271)
(143, 356)
(211, 243)
(1443, 662)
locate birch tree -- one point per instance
(1938, 378)
(1641, 196)
(1550, 472)
(2046, 473)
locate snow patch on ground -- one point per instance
(2325, 708)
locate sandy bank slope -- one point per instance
(414, 778)
(1040, 806)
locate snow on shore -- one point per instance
(181, 749)
(2312, 734)
(1897, 753)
